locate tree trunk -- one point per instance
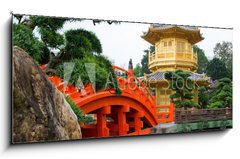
(54, 61)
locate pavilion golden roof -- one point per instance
(160, 31)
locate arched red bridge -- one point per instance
(134, 112)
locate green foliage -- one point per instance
(81, 43)
(105, 63)
(47, 28)
(51, 38)
(222, 95)
(47, 22)
(224, 51)
(186, 103)
(137, 70)
(216, 69)
(142, 69)
(144, 61)
(182, 86)
(203, 97)
(23, 37)
(44, 52)
(202, 59)
(78, 112)
(103, 68)
(82, 118)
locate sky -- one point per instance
(123, 41)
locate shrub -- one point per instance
(222, 95)
(82, 118)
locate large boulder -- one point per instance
(40, 111)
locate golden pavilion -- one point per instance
(173, 50)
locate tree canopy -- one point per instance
(224, 51)
(142, 69)
(216, 69)
(144, 61)
(137, 70)
(202, 59)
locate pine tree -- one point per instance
(182, 86)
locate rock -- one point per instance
(164, 128)
(40, 111)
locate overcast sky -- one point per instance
(123, 41)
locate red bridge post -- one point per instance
(138, 124)
(122, 124)
(102, 130)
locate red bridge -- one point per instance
(134, 112)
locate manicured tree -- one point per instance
(79, 43)
(202, 59)
(222, 95)
(203, 97)
(182, 86)
(103, 68)
(48, 27)
(73, 44)
(216, 69)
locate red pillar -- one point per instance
(123, 127)
(102, 130)
(138, 124)
(171, 112)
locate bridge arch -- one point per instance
(97, 101)
(131, 113)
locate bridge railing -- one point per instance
(141, 91)
(134, 84)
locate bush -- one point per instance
(217, 104)
(222, 95)
(203, 97)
